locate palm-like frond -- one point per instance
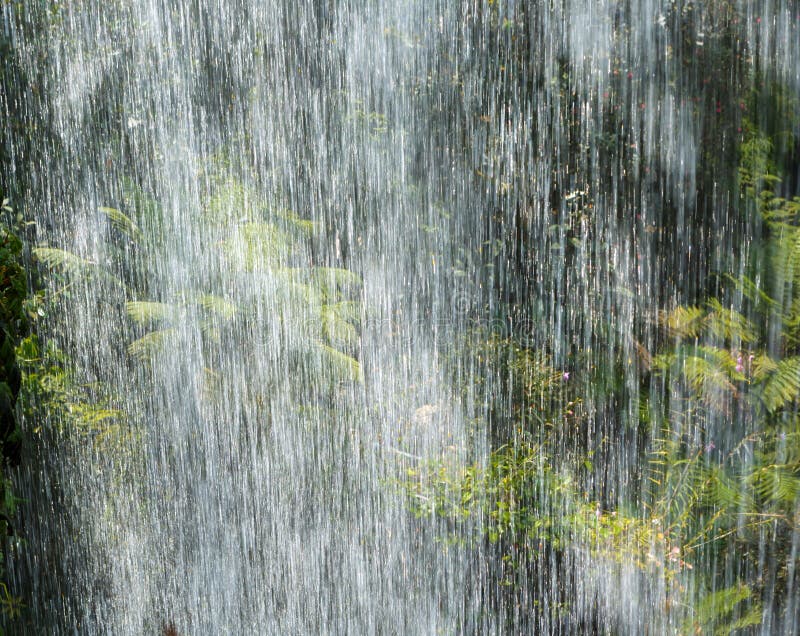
(683, 322)
(724, 612)
(781, 386)
(299, 226)
(217, 306)
(122, 223)
(343, 365)
(728, 325)
(259, 247)
(57, 258)
(151, 343)
(774, 483)
(336, 283)
(709, 372)
(752, 291)
(146, 312)
(74, 266)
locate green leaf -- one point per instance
(145, 312)
(218, 306)
(56, 258)
(751, 290)
(683, 322)
(151, 343)
(73, 265)
(340, 362)
(727, 324)
(122, 223)
(259, 247)
(782, 386)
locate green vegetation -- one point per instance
(13, 326)
(308, 316)
(700, 400)
(717, 402)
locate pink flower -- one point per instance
(565, 377)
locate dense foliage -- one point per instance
(13, 327)
(715, 383)
(633, 408)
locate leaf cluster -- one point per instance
(13, 326)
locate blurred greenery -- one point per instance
(718, 399)
(705, 394)
(13, 327)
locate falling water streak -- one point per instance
(424, 144)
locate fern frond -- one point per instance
(751, 619)
(347, 310)
(663, 361)
(683, 322)
(782, 386)
(714, 610)
(709, 375)
(341, 363)
(151, 343)
(725, 493)
(218, 306)
(751, 290)
(75, 266)
(762, 366)
(294, 290)
(791, 321)
(684, 488)
(146, 312)
(727, 324)
(775, 483)
(785, 256)
(331, 284)
(56, 258)
(336, 282)
(230, 201)
(792, 448)
(259, 247)
(122, 223)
